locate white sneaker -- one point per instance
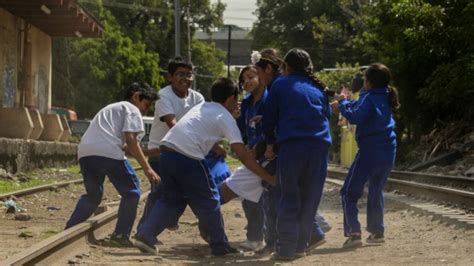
(252, 245)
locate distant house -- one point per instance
(26, 31)
(240, 43)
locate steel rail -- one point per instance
(70, 242)
(402, 181)
(34, 190)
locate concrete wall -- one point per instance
(8, 59)
(36, 57)
(22, 155)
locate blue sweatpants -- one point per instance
(219, 171)
(301, 172)
(125, 180)
(186, 181)
(374, 167)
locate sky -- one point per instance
(239, 12)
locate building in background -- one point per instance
(26, 31)
(240, 43)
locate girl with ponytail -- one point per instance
(298, 111)
(376, 139)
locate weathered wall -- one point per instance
(8, 59)
(41, 62)
(37, 58)
(22, 155)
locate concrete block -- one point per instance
(67, 131)
(53, 128)
(16, 123)
(38, 124)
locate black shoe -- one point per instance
(120, 241)
(145, 247)
(229, 252)
(315, 242)
(353, 241)
(375, 239)
(276, 256)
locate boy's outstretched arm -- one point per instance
(247, 159)
(136, 151)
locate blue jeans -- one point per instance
(186, 181)
(122, 176)
(302, 168)
(373, 167)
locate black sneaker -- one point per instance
(315, 242)
(120, 241)
(375, 239)
(144, 247)
(276, 256)
(229, 252)
(353, 241)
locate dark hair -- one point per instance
(300, 61)
(177, 62)
(380, 76)
(145, 90)
(270, 56)
(222, 89)
(241, 76)
(357, 83)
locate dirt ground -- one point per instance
(410, 239)
(49, 212)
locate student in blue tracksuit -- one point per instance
(250, 126)
(298, 109)
(267, 62)
(185, 172)
(376, 139)
(101, 153)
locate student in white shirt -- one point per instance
(101, 154)
(185, 174)
(174, 102)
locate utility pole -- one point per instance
(228, 50)
(177, 28)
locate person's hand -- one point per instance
(152, 176)
(272, 181)
(340, 97)
(269, 154)
(335, 107)
(219, 151)
(256, 119)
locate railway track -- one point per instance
(60, 247)
(37, 189)
(452, 190)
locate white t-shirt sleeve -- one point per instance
(133, 122)
(163, 107)
(230, 130)
(199, 98)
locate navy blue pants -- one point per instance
(186, 181)
(301, 172)
(219, 171)
(374, 167)
(155, 193)
(122, 176)
(255, 219)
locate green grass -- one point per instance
(232, 162)
(8, 186)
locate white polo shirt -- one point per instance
(105, 134)
(169, 103)
(200, 128)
